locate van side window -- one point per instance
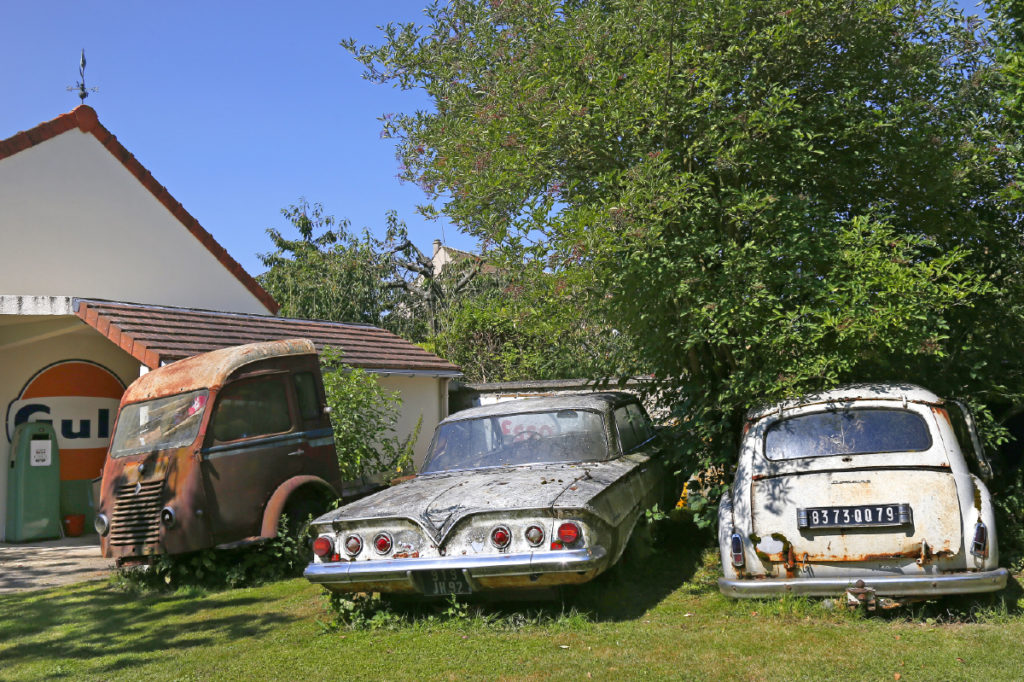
(251, 408)
(305, 392)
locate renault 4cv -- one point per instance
(872, 491)
(211, 450)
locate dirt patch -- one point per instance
(38, 565)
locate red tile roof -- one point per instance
(155, 335)
(85, 119)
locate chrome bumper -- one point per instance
(349, 575)
(888, 585)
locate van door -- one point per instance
(253, 444)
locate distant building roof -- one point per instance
(85, 119)
(156, 335)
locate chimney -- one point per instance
(437, 246)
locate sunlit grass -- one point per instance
(662, 620)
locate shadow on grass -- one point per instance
(103, 621)
(642, 578)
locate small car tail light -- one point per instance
(568, 533)
(382, 543)
(500, 537)
(323, 546)
(736, 549)
(535, 535)
(353, 545)
(979, 546)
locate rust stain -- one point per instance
(220, 494)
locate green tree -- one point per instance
(327, 273)
(363, 415)
(777, 195)
(525, 324)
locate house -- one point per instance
(104, 276)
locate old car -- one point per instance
(872, 491)
(211, 450)
(517, 495)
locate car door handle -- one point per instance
(300, 451)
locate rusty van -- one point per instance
(873, 491)
(211, 450)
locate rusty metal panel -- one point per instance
(931, 495)
(210, 370)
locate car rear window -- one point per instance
(521, 438)
(847, 432)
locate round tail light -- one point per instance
(353, 545)
(568, 533)
(534, 535)
(500, 537)
(382, 543)
(323, 547)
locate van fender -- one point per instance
(279, 500)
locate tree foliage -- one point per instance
(328, 273)
(776, 195)
(526, 324)
(363, 415)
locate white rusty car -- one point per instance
(519, 495)
(874, 491)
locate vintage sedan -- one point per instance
(872, 491)
(519, 495)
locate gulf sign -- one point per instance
(79, 398)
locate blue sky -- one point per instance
(238, 108)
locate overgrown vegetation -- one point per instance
(363, 415)
(774, 196)
(277, 559)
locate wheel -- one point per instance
(300, 511)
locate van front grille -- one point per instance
(136, 516)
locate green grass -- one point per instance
(662, 620)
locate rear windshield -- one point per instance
(847, 432)
(159, 424)
(523, 438)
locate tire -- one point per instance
(300, 510)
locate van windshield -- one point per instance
(159, 424)
(847, 432)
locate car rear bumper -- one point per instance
(523, 570)
(888, 585)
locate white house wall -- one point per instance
(425, 397)
(76, 222)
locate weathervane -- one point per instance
(83, 91)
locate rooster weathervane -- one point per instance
(83, 91)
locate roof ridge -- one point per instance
(85, 119)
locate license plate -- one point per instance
(855, 516)
(443, 582)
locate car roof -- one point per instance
(209, 370)
(601, 402)
(902, 392)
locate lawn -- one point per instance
(661, 620)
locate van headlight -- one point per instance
(101, 524)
